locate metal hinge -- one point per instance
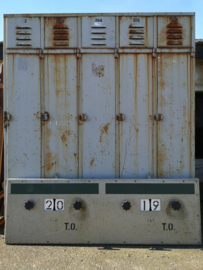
(7, 118)
(158, 117)
(192, 53)
(154, 52)
(79, 55)
(120, 117)
(116, 53)
(83, 117)
(45, 116)
(41, 55)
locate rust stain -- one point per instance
(138, 36)
(175, 30)
(98, 69)
(81, 214)
(104, 130)
(65, 135)
(48, 132)
(162, 157)
(56, 29)
(37, 115)
(138, 31)
(50, 163)
(177, 214)
(171, 34)
(59, 32)
(92, 161)
(49, 166)
(61, 37)
(174, 42)
(174, 24)
(136, 129)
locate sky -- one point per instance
(97, 6)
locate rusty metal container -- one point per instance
(99, 125)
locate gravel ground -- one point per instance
(99, 257)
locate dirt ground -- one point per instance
(99, 256)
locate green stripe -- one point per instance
(150, 188)
(54, 188)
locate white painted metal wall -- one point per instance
(140, 66)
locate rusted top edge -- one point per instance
(101, 14)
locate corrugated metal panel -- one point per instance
(174, 142)
(136, 105)
(98, 103)
(103, 81)
(24, 134)
(61, 130)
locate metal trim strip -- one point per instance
(135, 50)
(135, 188)
(54, 188)
(174, 50)
(100, 14)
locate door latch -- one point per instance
(158, 117)
(45, 116)
(7, 118)
(120, 117)
(83, 117)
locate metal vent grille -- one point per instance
(136, 34)
(61, 35)
(98, 34)
(23, 35)
(174, 34)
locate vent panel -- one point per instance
(174, 34)
(59, 43)
(137, 31)
(98, 43)
(23, 44)
(23, 32)
(136, 26)
(98, 26)
(64, 37)
(23, 38)
(24, 35)
(61, 34)
(23, 27)
(136, 34)
(98, 34)
(136, 42)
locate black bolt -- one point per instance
(77, 205)
(29, 205)
(126, 205)
(176, 205)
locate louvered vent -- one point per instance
(23, 35)
(136, 34)
(174, 34)
(98, 33)
(61, 35)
